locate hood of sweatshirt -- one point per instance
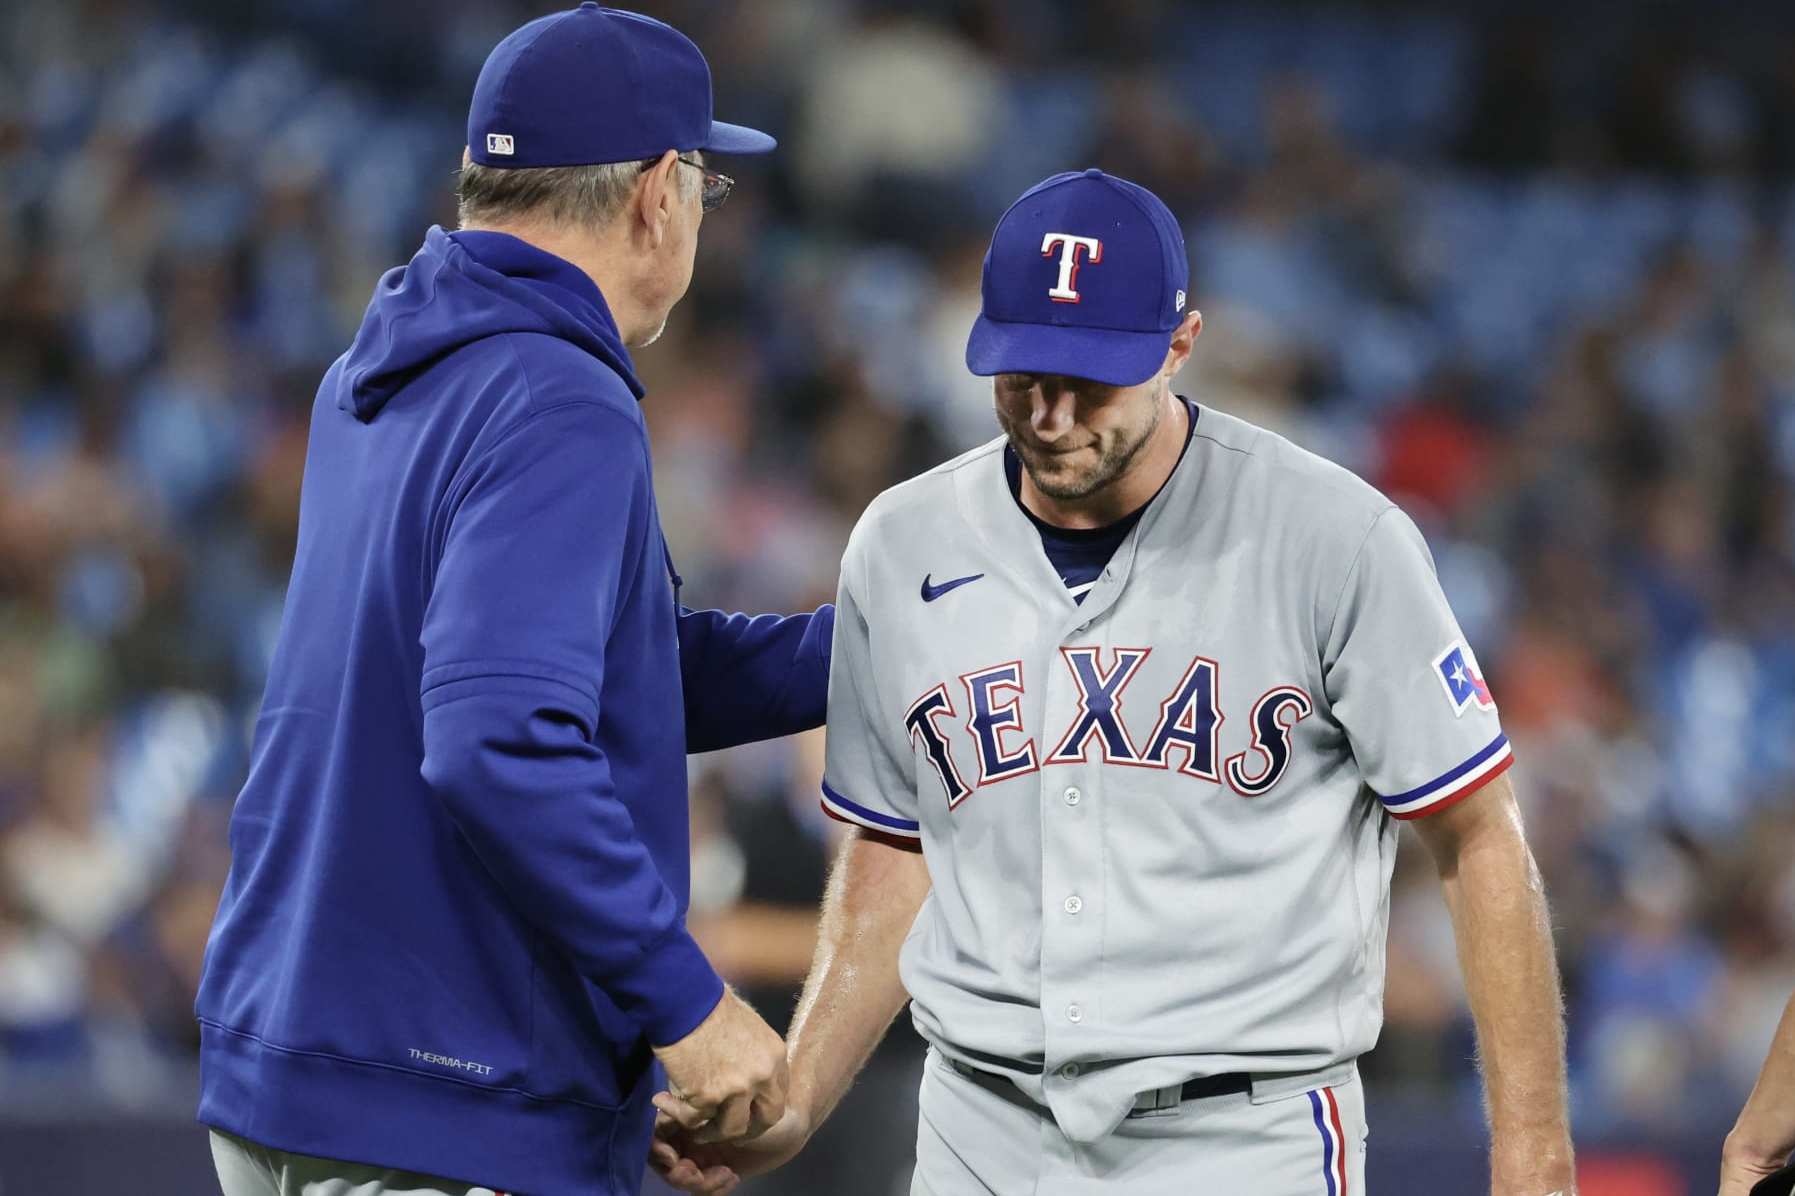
(462, 287)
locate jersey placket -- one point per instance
(1075, 857)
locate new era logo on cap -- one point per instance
(500, 143)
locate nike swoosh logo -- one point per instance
(930, 593)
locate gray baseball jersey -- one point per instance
(1158, 824)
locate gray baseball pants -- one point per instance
(974, 1138)
(246, 1169)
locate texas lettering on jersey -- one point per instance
(1186, 734)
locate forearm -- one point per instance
(1498, 908)
(1765, 1131)
(853, 991)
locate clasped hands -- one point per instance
(725, 1112)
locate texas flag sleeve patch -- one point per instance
(1463, 680)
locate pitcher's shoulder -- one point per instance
(1284, 474)
(928, 497)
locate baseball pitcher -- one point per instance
(1148, 688)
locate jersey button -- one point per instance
(1074, 1013)
(1069, 1071)
(1073, 795)
(1074, 903)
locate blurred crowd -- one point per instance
(1534, 277)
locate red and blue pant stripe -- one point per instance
(1333, 1141)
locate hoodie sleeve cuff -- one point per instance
(672, 989)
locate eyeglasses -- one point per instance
(716, 186)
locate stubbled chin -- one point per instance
(1064, 465)
(1062, 483)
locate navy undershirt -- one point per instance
(1078, 554)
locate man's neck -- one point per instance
(592, 257)
(1128, 493)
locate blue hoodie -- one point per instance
(454, 923)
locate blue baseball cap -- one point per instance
(1086, 277)
(594, 85)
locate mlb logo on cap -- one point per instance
(500, 143)
(1085, 277)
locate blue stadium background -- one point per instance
(1532, 271)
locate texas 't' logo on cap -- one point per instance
(1064, 291)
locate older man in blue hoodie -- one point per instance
(452, 947)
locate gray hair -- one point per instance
(588, 196)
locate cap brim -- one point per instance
(1100, 354)
(738, 139)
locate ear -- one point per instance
(656, 193)
(1184, 338)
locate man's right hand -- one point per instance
(726, 1079)
(714, 1169)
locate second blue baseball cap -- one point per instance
(1086, 277)
(594, 85)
